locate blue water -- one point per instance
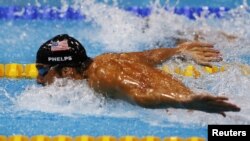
(30, 109)
(21, 37)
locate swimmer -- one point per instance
(131, 76)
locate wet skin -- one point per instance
(133, 77)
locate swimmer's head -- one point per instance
(62, 56)
(62, 50)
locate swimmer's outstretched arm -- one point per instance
(201, 53)
(201, 102)
(210, 104)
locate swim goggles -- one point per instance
(43, 70)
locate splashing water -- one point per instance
(64, 96)
(117, 31)
(74, 98)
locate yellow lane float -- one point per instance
(18, 138)
(30, 71)
(173, 139)
(195, 139)
(14, 70)
(129, 138)
(84, 138)
(3, 138)
(106, 138)
(196, 71)
(40, 138)
(151, 138)
(1, 70)
(62, 138)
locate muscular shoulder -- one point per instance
(117, 57)
(102, 62)
(103, 71)
(106, 57)
(111, 63)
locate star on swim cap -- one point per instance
(63, 50)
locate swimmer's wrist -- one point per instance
(180, 49)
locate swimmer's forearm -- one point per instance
(158, 56)
(163, 100)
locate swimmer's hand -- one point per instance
(201, 53)
(210, 104)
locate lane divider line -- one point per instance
(29, 71)
(91, 138)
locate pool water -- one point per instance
(75, 109)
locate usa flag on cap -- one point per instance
(59, 45)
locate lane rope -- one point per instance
(91, 138)
(29, 71)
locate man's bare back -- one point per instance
(131, 77)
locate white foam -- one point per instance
(64, 96)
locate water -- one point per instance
(74, 109)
